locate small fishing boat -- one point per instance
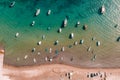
(12, 4)
(50, 50)
(59, 30)
(33, 50)
(71, 36)
(49, 12)
(34, 60)
(33, 23)
(78, 23)
(17, 34)
(75, 43)
(102, 10)
(85, 27)
(56, 42)
(98, 43)
(26, 56)
(81, 41)
(118, 39)
(37, 12)
(65, 22)
(63, 49)
(39, 43)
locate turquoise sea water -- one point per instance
(19, 18)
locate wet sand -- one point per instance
(56, 72)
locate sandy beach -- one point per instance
(56, 72)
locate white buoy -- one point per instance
(34, 60)
(59, 30)
(50, 50)
(17, 34)
(38, 53)
(12, 4)
(39, 43)
(33, 23)
(71, 36)
(37, 12)
(63, 49)
(98, 43)
(49, 12)
(26, 56)
(81, 41)
(102, 9)
(33, 50)
(65, 22)
(75, 43)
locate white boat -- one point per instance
(63, 49)
(75, 43)
(78, 23)
(37, 12)
(33, 50)
(89, 48)
(39, 43)
(50, 59)
(49, 12)
(33, 23)
(43, 36)
(102, 9)
(65, 22)
(85, 27)
(59, 30)
(17, 34)
(26, 56)
(72, 35)
(12, 4)
(50, 50)
(34, 60)
(38, 53)
(81, 41)
(46, 59)
(98, 43)
(56, 42)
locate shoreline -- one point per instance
(57, 72)
(52, 64)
